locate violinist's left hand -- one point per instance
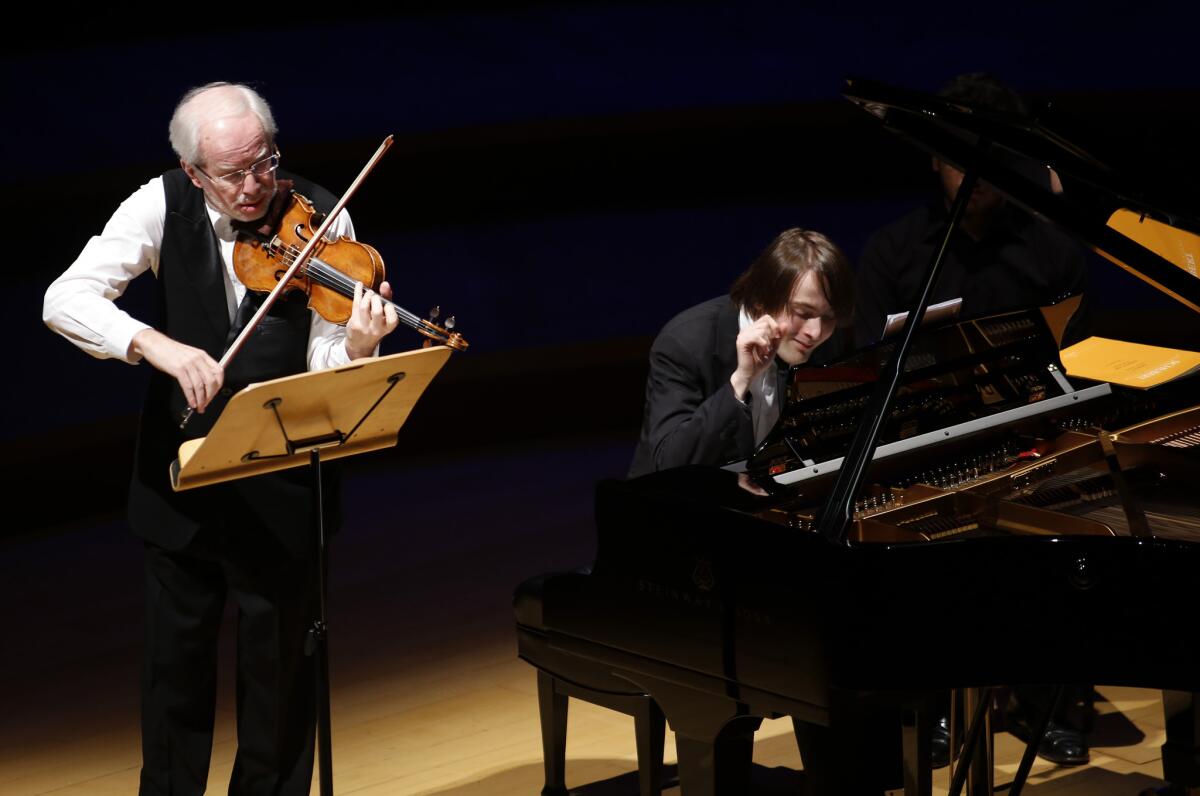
(370, 320)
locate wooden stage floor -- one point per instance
(428, 696)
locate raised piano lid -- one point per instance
(1144, 235)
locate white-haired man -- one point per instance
(252, 539)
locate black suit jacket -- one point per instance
(691, 414)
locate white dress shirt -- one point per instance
(79, 304)
(764, 392)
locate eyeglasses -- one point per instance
(259, 168)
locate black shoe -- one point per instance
(1060, 745)
(939, 746)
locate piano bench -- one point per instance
(561, 675)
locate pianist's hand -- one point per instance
(756, 347)
(754, 489)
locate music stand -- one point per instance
(298, 420)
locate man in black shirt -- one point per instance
(1001, 258)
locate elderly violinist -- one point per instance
(250, 540)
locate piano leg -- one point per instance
(974, 767)
(714, 738)
(552, 706)
(861, 750)
(1181, 752)
(1034, 741)
(650, 729)
(980, 782)
(649, 726)
(916, 730)
(720, 765)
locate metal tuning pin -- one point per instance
(444, 334)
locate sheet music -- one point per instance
(941, 311)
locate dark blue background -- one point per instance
(565, 175)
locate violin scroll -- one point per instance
(444, 334)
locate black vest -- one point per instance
(195, 311)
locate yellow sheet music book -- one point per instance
(1131, 364)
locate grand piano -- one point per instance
(925, 496)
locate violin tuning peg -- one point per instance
(450, 322)
(435, 312)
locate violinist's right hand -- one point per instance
(198, 374)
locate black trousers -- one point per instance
(275, 595)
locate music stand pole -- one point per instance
(298, 420)
(320, 632)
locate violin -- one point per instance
(279, 257)
(328, 276)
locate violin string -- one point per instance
(327, 275)
(334, 279)
(321, 274)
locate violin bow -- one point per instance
(300, 260)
